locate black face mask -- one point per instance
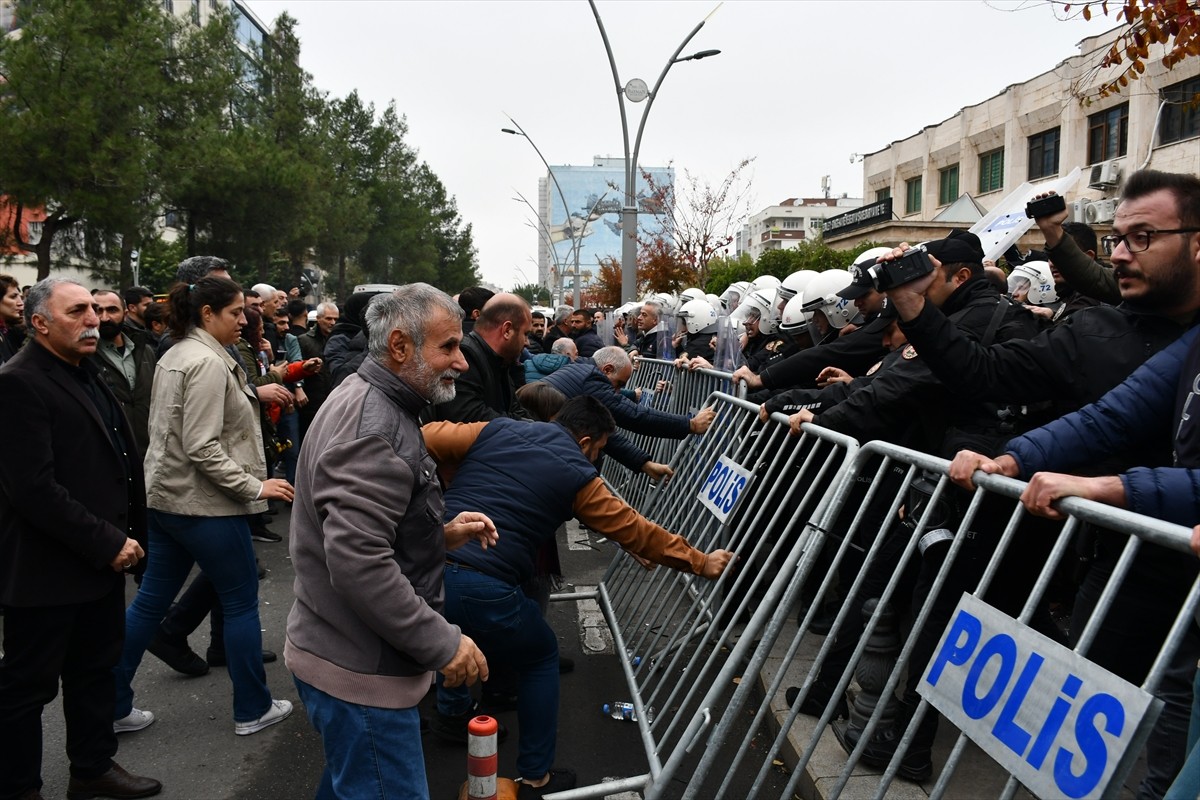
(109, 330)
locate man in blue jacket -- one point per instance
(603, 378)
(483, 594)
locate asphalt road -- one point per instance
(192, 749)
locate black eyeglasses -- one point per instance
(1136, 242)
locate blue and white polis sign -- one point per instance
(1059, 723)
(723, 487)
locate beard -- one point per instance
(1174, 281)
(109, 330)
(429, 383)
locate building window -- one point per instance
(196, 12)
(1043, 154)
(991, 171)
(912, 196)
(1181, 114)
(792, 224)
(883, 194)
(947, 185)
(1108, 133)
(168, 6)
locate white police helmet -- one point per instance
(760, 304)
(733, 294)
(765, 282)
(794, 284)
(698, 315)
(1036, 275)
(794, 318)
(691, 293)
(821, 294)
(667, 302)
(715, 302)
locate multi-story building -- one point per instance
(793, 221)
(952, 173)
(589, 224)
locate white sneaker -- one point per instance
(278, 712)
(136, 720)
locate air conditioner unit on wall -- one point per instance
(1079, 210)
(1101, 211)
(1105, 175)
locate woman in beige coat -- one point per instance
(205, 472)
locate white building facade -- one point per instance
(790, 223)
(1034, 132)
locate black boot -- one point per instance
(818, 698)
(917, 763)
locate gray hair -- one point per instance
(323, 308)
(39, 298)
(407, 309)
(265, 290)
(193, 269)
(564, 346)
(562, 314)
(613, 355)
(654, 304)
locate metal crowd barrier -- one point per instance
(819, 518)
(674, 391)
(743, 486)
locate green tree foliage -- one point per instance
(725, 270)
(534, 293)
(112, 113)
(81, 87)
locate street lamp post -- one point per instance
(544, 232)
(561, 196)
(636, 91)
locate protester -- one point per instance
(126, 363)
(368, 546)
(205, 473)
(12, 322)
(582, 332)
(72, 522)
(527, 510)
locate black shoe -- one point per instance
(178, 657)
(560, 781)
(917, 763)
(454, 729)
(115, 783)
(565, 665)
(265, 535)
(818, 698)
(216, 658)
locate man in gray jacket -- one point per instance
(368, 548)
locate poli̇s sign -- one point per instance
(1059, 723)
(723, 487)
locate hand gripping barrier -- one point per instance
(911, 596)
(677, 631)
(674, 391)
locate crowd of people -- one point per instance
(159, 436)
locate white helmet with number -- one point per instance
(821, 294)
(760, 304)
(1035, 277)
(699, 316)
(795, 283)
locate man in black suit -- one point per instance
(72, 508)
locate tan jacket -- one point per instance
(206, 452)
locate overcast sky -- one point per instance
(799, 86)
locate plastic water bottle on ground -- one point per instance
(624, 710)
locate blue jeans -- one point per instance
(370, 753)
(1187, 783)
(510, 630)
(222, 548)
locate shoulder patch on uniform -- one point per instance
(909, 353)
(773, 345)
(876, 366)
